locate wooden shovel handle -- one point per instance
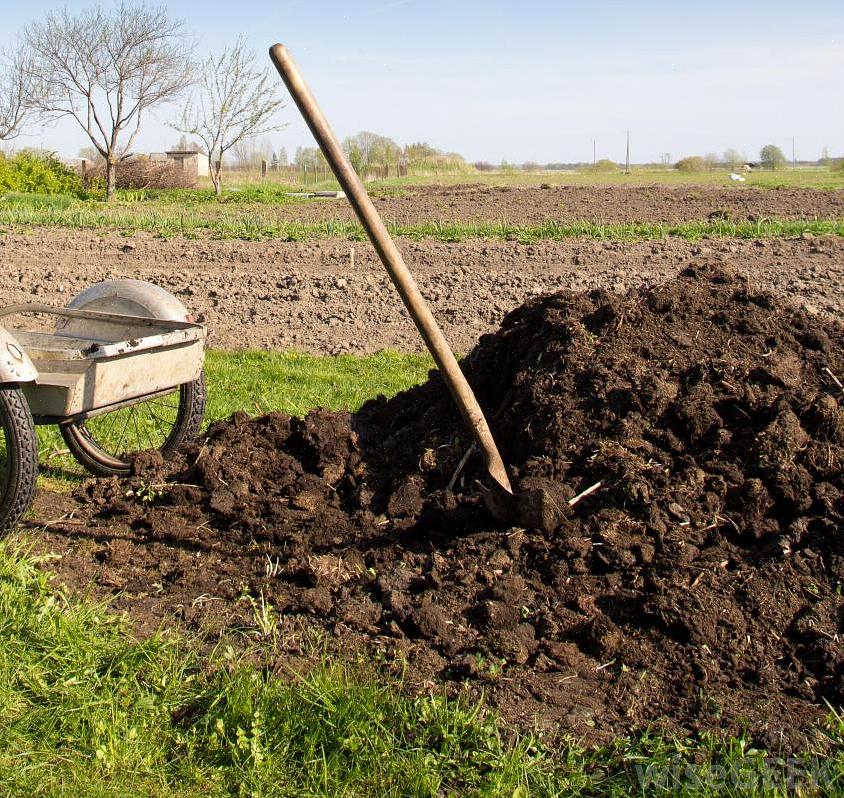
(393, 262)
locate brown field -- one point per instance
(607, 204)
(305, 296)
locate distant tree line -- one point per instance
(770, 157)
(370, 152)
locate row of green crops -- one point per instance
(259, 221)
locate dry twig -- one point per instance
(583, 494)
(460, 466)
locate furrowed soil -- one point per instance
(602, 204)
(307, 296)
(686, 572)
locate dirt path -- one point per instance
(306, 295)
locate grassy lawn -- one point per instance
(257, 381)
(88, 710)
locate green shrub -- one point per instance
(694, 163)
(34, 173)
(772, 157)
(605, 165)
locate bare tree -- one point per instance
(733, 158)
(360, 147)
(185, 145)
(236, 101)
(367, 149)
(16, 92)
(105, 68)
(248, 153)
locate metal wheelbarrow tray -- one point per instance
(116, 361)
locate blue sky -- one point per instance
(537, 80)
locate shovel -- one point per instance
(528, 509)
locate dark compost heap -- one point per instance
(698, 587)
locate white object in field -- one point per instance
(737, 178)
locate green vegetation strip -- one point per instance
(259, 382)
(255, 221)
(88, 710)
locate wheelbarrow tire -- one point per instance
(19, 472)
(97, 460)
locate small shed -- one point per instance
(191, 161)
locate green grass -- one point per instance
(88, 710)
(634, 231)
(259, 382)
(21, 202)
(808, 177)
(266, 192)
(253, 221)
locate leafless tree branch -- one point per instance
(105, 68)
(235, 100)
(16, 92)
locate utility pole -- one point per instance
(793, 155)
(627, 159)
(594, 152)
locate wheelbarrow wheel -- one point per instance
(18, 457)
(105, 444)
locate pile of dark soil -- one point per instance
(697, 587)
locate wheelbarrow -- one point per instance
(119, 370)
